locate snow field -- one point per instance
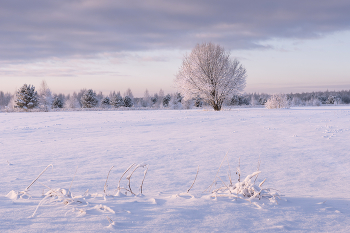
(304, 154)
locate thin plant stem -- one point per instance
(105, 187)
(124, 174)
(50, 165)
(258, 169)
(216, 174)
(144, 176)
(194, 180)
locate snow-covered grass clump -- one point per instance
(244, 189)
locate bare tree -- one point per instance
(146, 100)
(209, 73)
(129, 93)
(72, 101)
(45, 97)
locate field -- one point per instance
(303, 153)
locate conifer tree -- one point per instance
(57, 102)
(26, 97)
(128, 102)
(105, 102)
(89, 99)
(166, 100)
(116, 100)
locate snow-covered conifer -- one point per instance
(105, 102)
(89, 99)
(116, 100)
(262, 100)
(331, 99)
(99, 96)
(128, 102)
(234, 100)
(176, 101)
(154, 99)
(57, 102)
(26, 97)
(198, 102)
(160, 97)
(166, 100)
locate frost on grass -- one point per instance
(111, 223)
(246, 189)
(90, 204)
(80, 203)
(24, 194)
(61, 196)
(131, 170)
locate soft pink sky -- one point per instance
(111, 45)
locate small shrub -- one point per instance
(277, 101)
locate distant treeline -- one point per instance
(295, 99)
(90, 99)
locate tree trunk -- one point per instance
(217, 107)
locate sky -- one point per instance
(108, 45)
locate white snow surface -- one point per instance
(304, 154)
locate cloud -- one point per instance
(41, 29)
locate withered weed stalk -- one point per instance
(135, 167)
(188, 190)
(106, 185)
(50, 165)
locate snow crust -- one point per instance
(304, 154)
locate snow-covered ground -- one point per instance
(304, 154)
